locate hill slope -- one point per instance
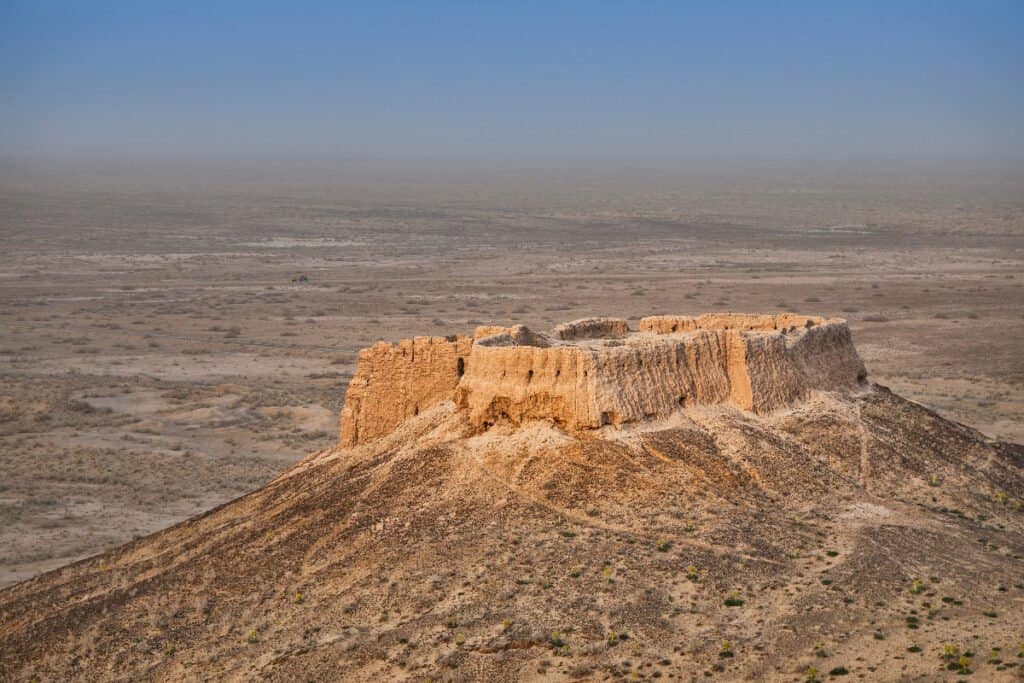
(833, 533)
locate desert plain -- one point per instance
(169, 343)
(175, 355)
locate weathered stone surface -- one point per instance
(491, 335)
(394, 382)
(665, 324)
(594, 372)
(591, 328)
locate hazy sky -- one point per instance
(518, 81)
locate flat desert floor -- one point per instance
(166, 347)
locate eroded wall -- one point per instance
(393, 382)
(591, 328)
(668, 324)
(758, 363)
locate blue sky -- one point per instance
(558, 81)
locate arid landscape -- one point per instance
(168, 346)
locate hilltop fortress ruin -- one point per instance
(595, 372)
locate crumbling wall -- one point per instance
(591, 328)
(772, 379)
(519, 383)
(634, 382)
(587, 387)
(826, 356)
(668, 324)
(757, 363)
(393, 382)
(516, 335)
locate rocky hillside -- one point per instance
(838, 532)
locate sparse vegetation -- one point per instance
(734, 600)
(558, 644)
